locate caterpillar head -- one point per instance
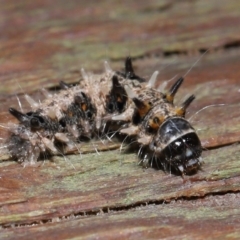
(177, 142)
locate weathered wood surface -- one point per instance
(106, 195)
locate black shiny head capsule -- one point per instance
(178, 145)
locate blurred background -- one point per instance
(42, 41)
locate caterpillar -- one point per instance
(114, 101)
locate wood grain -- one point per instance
(106, 195)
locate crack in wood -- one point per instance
(112, 210)
(155, 53)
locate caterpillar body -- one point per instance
(120, 102)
